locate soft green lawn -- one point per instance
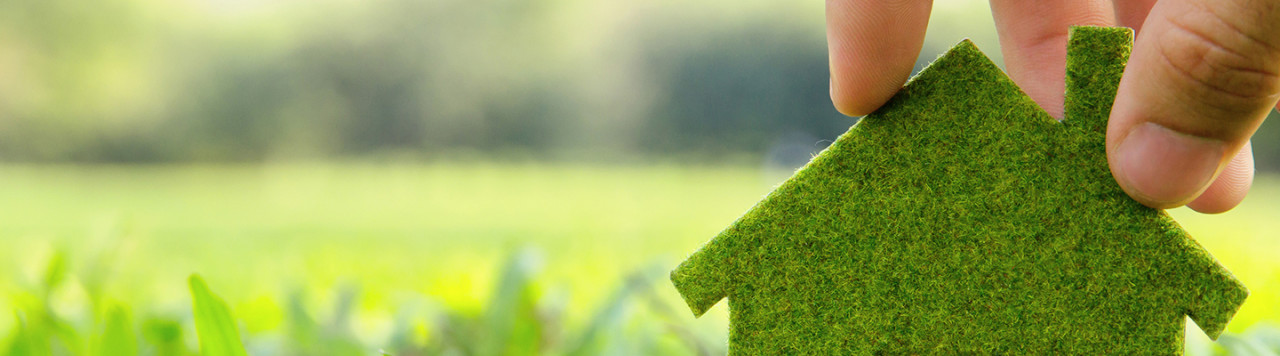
(414, 241)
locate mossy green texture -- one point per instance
(962, 218)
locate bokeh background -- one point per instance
(430, 176)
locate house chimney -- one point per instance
(1095, 61)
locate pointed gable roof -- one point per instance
(962, 214)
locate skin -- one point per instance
(1202, 77)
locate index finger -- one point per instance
(872, 46)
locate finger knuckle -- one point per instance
(1222, 64)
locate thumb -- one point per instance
(1202, 77)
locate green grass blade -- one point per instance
(55, 272)
(117, 337)
(606, 321)
(28, 340)
(510, 324)
(164, 337)
(214, 324)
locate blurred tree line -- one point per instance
(243, 80)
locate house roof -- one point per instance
(960, 213)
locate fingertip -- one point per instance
(872, 48)
(1132, 13)
(863, 96)
(1231, 186)
(1162, 168)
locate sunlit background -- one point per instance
(430, 176)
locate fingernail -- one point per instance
(1165, 168)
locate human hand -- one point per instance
(1202, 76)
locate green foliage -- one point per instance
(117, 336)
(510, 321)
(165, 337)
(410, 285)
(1259, 341)
(518, 321)
(40, 329)
(218, 333)
(961, 218)
(308, 337)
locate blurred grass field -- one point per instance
(115, 102)
(398, 254)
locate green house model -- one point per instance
(962, 218)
